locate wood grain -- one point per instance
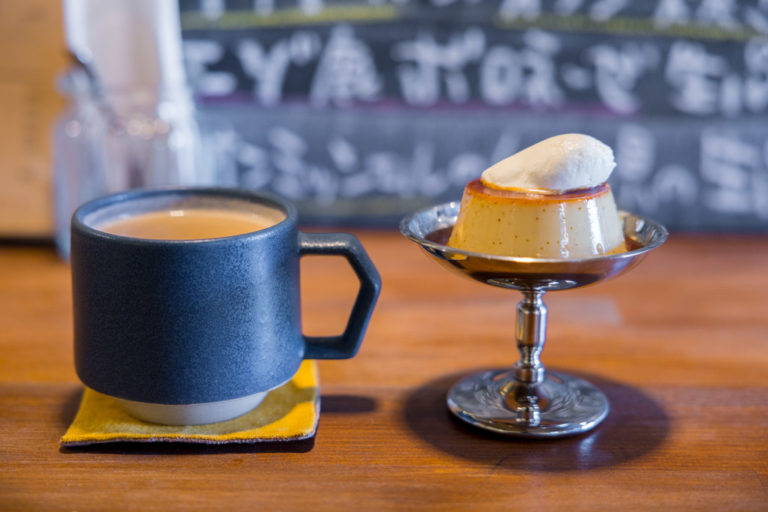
(680, 346)
(32, 56)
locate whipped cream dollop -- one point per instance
(565, 162)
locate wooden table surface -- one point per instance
(679, 345)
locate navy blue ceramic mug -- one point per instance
(198, 328)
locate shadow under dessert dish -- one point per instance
(541, 220)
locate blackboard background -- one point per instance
(362, 111)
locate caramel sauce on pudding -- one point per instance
(477, 187)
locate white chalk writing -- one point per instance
(346, 71)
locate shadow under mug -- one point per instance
(198, 331)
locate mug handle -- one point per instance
(343, 244)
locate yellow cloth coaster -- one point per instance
(288, 413)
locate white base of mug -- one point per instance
(192, 414)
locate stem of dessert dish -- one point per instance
(531, 332)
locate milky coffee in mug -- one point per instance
(191, 223)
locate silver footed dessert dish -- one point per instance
(527, 400)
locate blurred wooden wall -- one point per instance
(32, 54)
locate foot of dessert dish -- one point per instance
(468, 237)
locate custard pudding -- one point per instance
(547, 201)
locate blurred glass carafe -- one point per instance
(113, 140)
